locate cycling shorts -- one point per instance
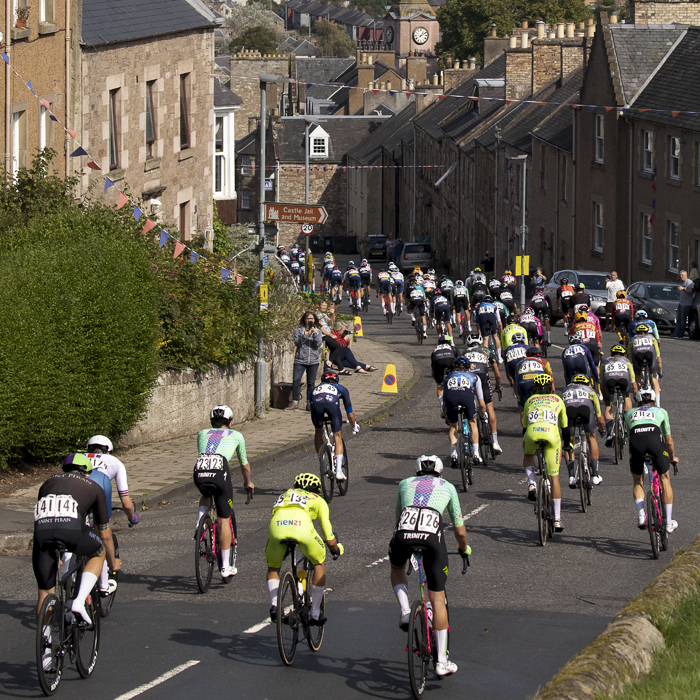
(488, 324)
(540, 307)
(366, 277)
(454, 398)
(572, 413)
(461, 304)
(442, 313)
(440, 368)
(486, 386)
(81, 540)
(575, 364)
(623, 316)
(478, 296)
(566, 304)
(640, 356)
(512, 366)
(336, 281)
(398, 285)
(433, 549)
(508, 303)
(417, 304)
(215, 481)
(552, 450)
(647, 440)
(523, 387)
(607, 388)
(293, 523)
(592, 345)
(384, 286)
(321, 408)
(531, 330)
(354, 283)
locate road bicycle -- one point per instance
(421, 647)
(485, 439)
(544, 506)
(419, 327)
(619, 432)
(60, 633)
(365, 299)
(645, 380)
(465, 454)
(206, 545)
(389, 314)
(582, 469)
(328, 479)
(656, 513)
(335, 293)
(106, 600)
(544, 344)
(294, 606)
(355, 303)
(623, 333)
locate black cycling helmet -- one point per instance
(534, 351)
(462, 364)
(564, 280)
(77, 462)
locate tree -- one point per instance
(241, 18)
(260, 38)
(465, 23)
(333, 40)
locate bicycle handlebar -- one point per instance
(249, 491)
(675, 468)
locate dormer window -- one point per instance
(318, 143)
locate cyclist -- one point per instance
(336, 282)
(325, 401)
(216, 447)
(441, 312)
(649, 433)
(577, 359)
(641, 317)
(442, 361)
(284, 257)
(580, 298)
(460, 297)
(506, 297)
(590, 316)
(529, 321)
(477, 287)
(295, 269)
(516, 352)
(480, 359)
(64, 502)
(509, 281)
(353, 281)
(366, 277)
(643, 349)
(301, 505)
(447, 287)
(328, 265)
(540, 308)
(384, 286)
(463, 388)
(510, 329)
(397, 276)
(494, 286)
(477, 276)
(582, 402)
(564, 294)
(590, 335)
(615, 371)
(526, 371)
(622, 312)
(416, 302)
(486, 315)
(420, 503)
(544, 414)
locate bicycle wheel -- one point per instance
(419, 332)
(327, 475)
(620, 429)
(462, 459)
(617, 437)
(86, 638)
(343, 485)
(49, 662)
(417, 648)
(583, 476)
(483, 441)
(288, 619)
(663, 533)
(314, 636)
(542, 511)
(203, 556)
(545, 345)
(234, 547)
(654, 523)
(107, 601)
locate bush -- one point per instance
(77, 348)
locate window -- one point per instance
(45, 127)
(674, 162)
(598, 226)
(184, 221)
(318, 143)
(46, 11)
(150, 119)
(20, 146)
(645, 226)
(245, 199)
(219, 159)
(674, 241)
(246, 166)
(184, 112)
(599, 138)
(647, 151)
(114, 114)
(318, 147)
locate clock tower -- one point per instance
(411, 29)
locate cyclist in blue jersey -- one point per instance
(578, 359)
(515, 352)
(641, 317)
(486, 315)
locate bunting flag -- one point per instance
(194, 257)
(148, 226)
(179, 247)
(108, 184)
(225, 274)
(164, 235)
(93, 166)
(80, 151)
(123, 199)
(29, 85)
(137, 213)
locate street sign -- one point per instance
(518, 261)
(268, 185)
(266, 261)
(295, 213)
(307, 229)
(263, 297)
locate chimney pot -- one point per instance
(581, 25)
(560, 30)
(590, 21)
(370, 59)
(403, 83)
(457, 64)
(590, 30)
(552, 34)
(364, 58)
(449, 62)
(382, 85)
(540, 29)
(513, 41)
(613, 19)
(493, 30)
(524, 24)
(524, 40)
(472, 63)
(570, 30)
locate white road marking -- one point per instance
(157, 681)
(265, 623)
(379, 561)
(558, 346)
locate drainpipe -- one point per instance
(67, 95)
(629, 223)
(575, 190)
(8, 105)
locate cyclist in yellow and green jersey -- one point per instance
(292, 519)
(509, 330)
(544, 414)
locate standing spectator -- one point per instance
(687, 290)
(613, 285)
(693, 274)
(308, 340)
(487, 262)
(396, 252)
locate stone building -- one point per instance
(226, 104)
(148, 104)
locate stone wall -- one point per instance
(518, 73)
(182, 400)
(655, 12)
(546, 62)
(180, 178)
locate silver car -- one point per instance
(416, 255)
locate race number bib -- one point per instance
(541, 415)
(329, 389)
(571, 394)
(616, 367)
(506, 296)
(643, 342)
(575, 350)
(416, 295)
(56, 506)
(515, 354)
(565, 294)
(460, 382)
(296, 499)
(207, 463)
(529, 366)
(419, 520)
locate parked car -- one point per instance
(416, 255)
(659, 300)
(377, 248)
(595, 287)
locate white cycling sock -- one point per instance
(639, 502)
(549, 336)
(453, 451)
(225, 555)
(273, 586)
(441, 643)
(469, 326)
(658, 401)
(393, 307)
(413, 318)
(338, 462)
(557, 508)
(203, 510)
(475, 450)
(425, 328)
(441, 399)
(530, 473)
(495, 437)
(383, 306)
(498, 352)
(316, 598)
(104, 576)
(401, 590)
(87, 583)
(669, 510)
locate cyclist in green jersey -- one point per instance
(650, 434)
(216, 448)
(420, 503)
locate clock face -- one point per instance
(420, 35)
(389, 35)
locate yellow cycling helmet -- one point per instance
(581, 316)
(542, 382)
(618, 350)
(621, 294)
(642, 328)
(580, 379)
(307, 482)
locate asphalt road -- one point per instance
(519, 613)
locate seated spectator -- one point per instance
(343, 356)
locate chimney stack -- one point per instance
(540, 29)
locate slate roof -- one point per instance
(224, 97)
(558, 128)
(676, 85)
(345, 133)
(638, 51)
(299, 47)
(388, 135)
(112, 21)
(246, 145)
(349, 79)
(223, 63)
(321, 70)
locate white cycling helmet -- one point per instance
(474, 340)
(101, 442)
(429, 463)
(646, 395)
(221, 412)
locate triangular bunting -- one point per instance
(123, 199)
(29, 85)
(674, 113)
(108, 184)
(80, 151)
(441, 98)
(408, 94)
(71, 132)
(194, 257)
(179, 247)
(374, 92)
(5, 58)
(164, 235)
(225, 274)
(643, 110)
(93, 166)
(591, 108)
(148, 226)
(52, 118)
(137, 213)
(45, 103)
(691, 114)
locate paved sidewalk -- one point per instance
(155, 466)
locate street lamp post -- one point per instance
(523, 228)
